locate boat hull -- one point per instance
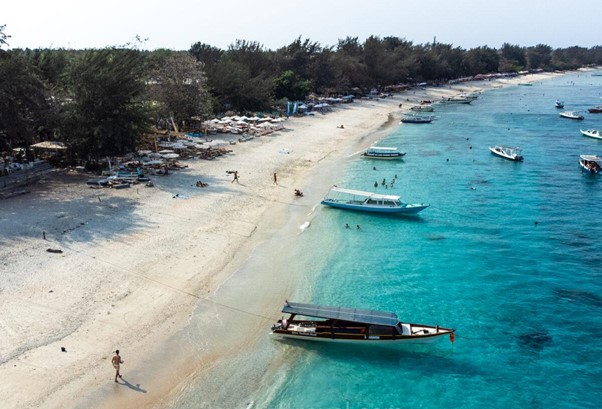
(409, 209)
(591, 134)
(382, 157)
(515, 158)
(399, 341)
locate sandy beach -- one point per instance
(185, 286)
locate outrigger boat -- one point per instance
(592, 133)
(507, 152)
(571, 115)
(349, 199)
(458, 99)
(354, 326)
(590, 163)
(383, 152)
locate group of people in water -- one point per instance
(384, 183)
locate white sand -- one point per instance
(137, 262)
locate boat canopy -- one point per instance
(371, 195)
(592, 158)
(371, 317)
(382, 148)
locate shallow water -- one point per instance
(509, 254)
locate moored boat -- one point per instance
(572, 115)
(353, 325)
(383, 152)
(590, 163)
(559, 104)
(417, 119)
(422, 108)
(349, 199)
(595, 110)
(456, 100)
(592, 133)
(507, 152)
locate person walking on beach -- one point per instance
(235, 177)
(117, 361)
(275, 178)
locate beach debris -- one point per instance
(201, 184)
(54, 251)
(63, 349)
(304, 226)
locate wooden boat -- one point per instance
(417, 119)
(422, 108)
(353, 326)
(572, 115)
(349, 199)
(559, 104)
(383, 152)
(595, 110)
(590, 163)
(507, 152)
(592, 133)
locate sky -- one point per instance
(177, 24)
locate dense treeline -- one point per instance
(102, 101)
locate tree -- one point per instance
(3, 36)
(291, 87)
(177, 85)
(539, 56)
(24, 102)
(105, 114)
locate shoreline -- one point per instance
(138, 265)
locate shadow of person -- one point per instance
(136, 387)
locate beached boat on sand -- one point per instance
(507, 152)
(383, 152)
(571, 115)
(592, 133)
(354, 326)
(349, 199)
(590, 163)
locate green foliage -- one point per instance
(291, 87)
(176, 86)
(24, 102)
(105, 114)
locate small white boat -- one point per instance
(592, 133)
(353, 326)
(417, 119)
(383, 152)
(590, 163)
(507, 152)
(572, 115)
(422, 108)
(459, 99)
(358, 200)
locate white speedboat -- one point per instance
(383, 152)
(507, 152)
(590, 163)
(572, 115)
(353, 326)
(349, 199)
(592, 133)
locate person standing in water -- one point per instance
(117, 361)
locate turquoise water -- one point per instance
(509, 254)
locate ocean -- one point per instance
(509, 254)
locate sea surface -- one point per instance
(509, 254)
